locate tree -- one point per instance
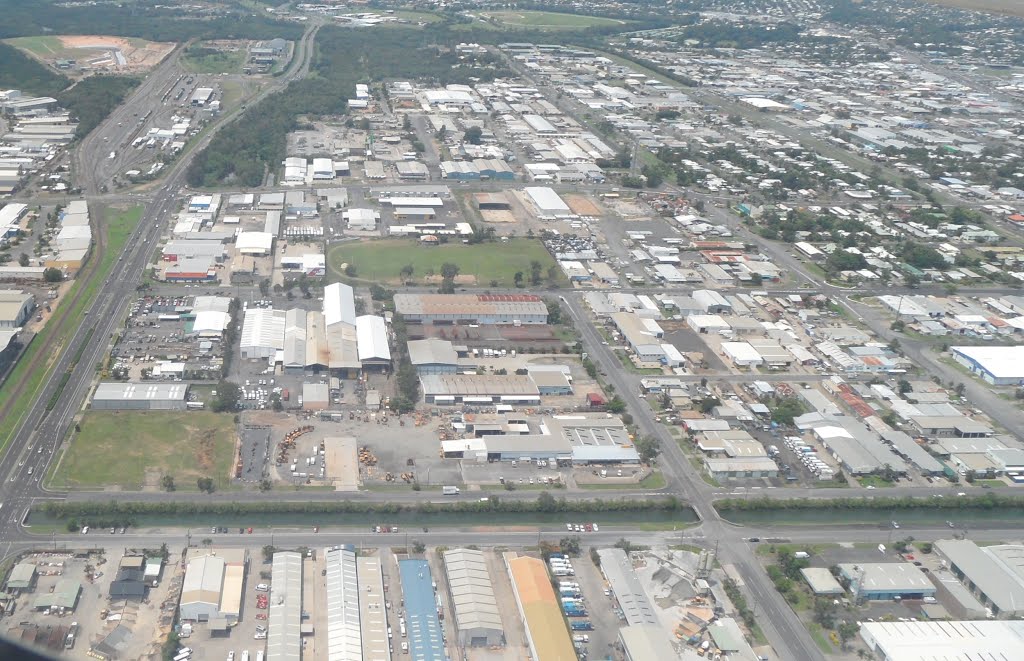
(615, 405)
(275, 402)
(350, 270)
(268, 553)
(474, 135)
(167, 483)
(546, 503)
(824, 612)
(228, 395)
(418, 547)
(23, 259)
(406, 272)
(904, 386)
(205, 484)
(52, 274)
(535, 273)
(648, 448)
(847, 631)
(554, 311)
(449, 271)
(570, 545)
(518, 279)
(266, 485)
(264, 287)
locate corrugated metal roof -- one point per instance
(344, 638)
(425, 637)
(284, 619)
(471, 590)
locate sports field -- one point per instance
(548, 20)
(484, 263)
(132, 449)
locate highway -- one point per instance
(42, 431)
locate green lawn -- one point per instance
(548, 20)
(43, 47)
(118, 229)
(498, 261)
(221, 61)
(874, 481)
(653, 481)
(117, 448)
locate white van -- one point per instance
(262, 587)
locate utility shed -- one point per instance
(476, 609)
(821, 581)
(344, 637)
(426, 641)
(618, 570)
(284, 620)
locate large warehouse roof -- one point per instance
(470, 305)
(925, 641)
(136, 391)
(432, 351)
(546, 199)
(372, 338)
(887, 576)
(204, 577)
(1000, 362)
(372, 608)
(339, 304)
(344, 640)
(262, 327)
(617, 568)
(996, 571)
(472, 591)
(284, 620)
(646, 641)
(469, 385)
(545, 627)
(426, 642)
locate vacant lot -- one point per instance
(483, 263)
(549, 20)
(202, 59)
(132, 449)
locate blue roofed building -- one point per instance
(426, 642)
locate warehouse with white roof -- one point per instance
(344, 636)
(372, 342)
(476, 609)
(1000, 366)
(547, 202)
(917, 640)
(140, 396)
(284, 619)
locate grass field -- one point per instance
(548, 20)
(43, 47)
(118, 229)
(119, 448)
(382, 260)
(222, 61)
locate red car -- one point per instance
(261, 616)
(250, 531)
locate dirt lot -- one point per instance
(583, 205)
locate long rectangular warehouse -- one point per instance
(476, 610)
(426, 640)
(138, 396)
(472, 308)
(284, 620)
(545, 627)
(373, 622)
(344, 637)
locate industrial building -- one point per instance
(515, 309)
(212, 589)
(130, 580)
(372, 342)
(426, 639)
(626, 588)
(915, 640)
(729, 468)
(22, 577)
(884, 581)
(262, 333)
(284, 618)
(372, 609)
(340, 329)
(433, 356)
(65, 595)
(140, 396)
(344, 635)
(547, 203)
(994, 574)
(15, 308)
(538, 607)
(582, 439)
(476, 609)
(1000, 366)
(643, 642)
(479, 389)
(957, 598)
(821, 581)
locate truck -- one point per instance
(450, 491)
(69, 640)
(580, 638)
(581, 625)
